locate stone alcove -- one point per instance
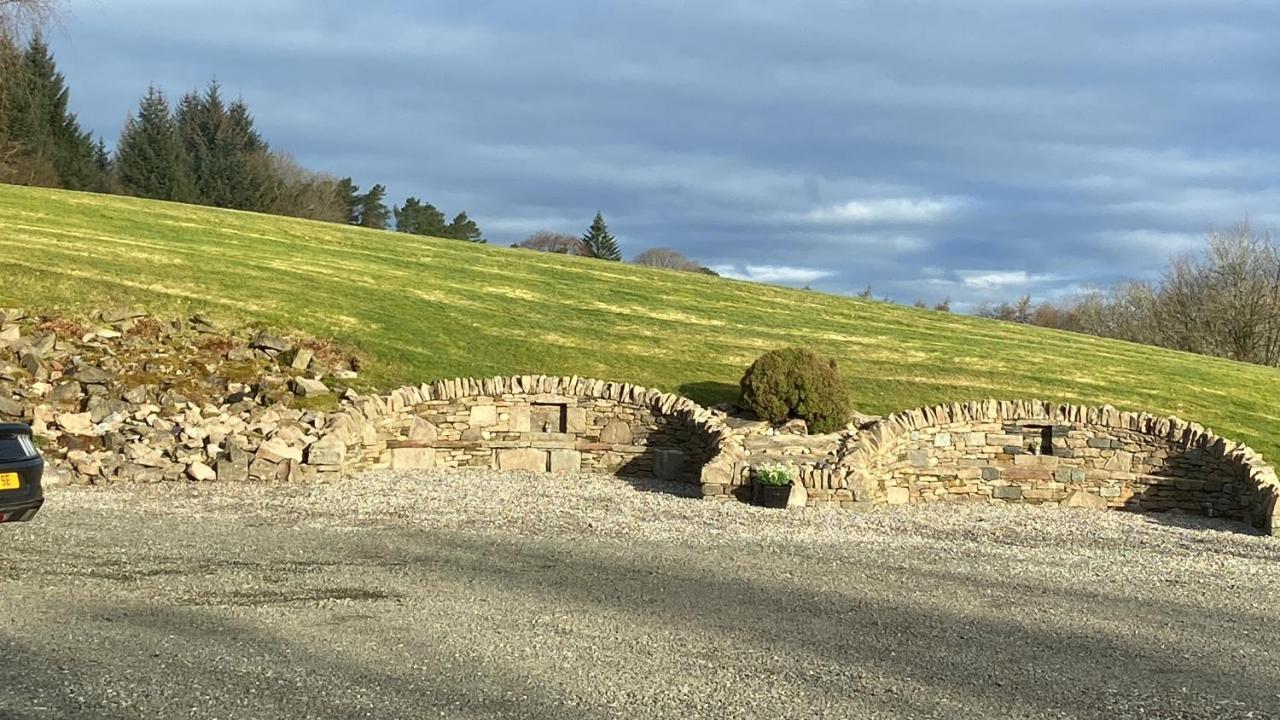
(542, 424)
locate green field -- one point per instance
(423, 308)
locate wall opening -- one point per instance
(549, 417)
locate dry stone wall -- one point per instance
(1036, 452)
(136, 399)
(550, 424)
(1025, 452)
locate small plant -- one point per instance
(775, 474)
(797, 383)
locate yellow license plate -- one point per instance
(10, 481)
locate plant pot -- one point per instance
(771, 496)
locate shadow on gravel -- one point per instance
(979, 653)
(303, 682)
(976, 642)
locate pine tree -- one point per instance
(598, 243)
(106, 168)
(419, 218)
(150, 161)
(373, 209)
(349, 198)
(37, 121)
(464, 228)
(228, 158)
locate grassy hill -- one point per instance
(425, 308)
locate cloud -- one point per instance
(1003, 279)
(772, 273)
(869, 143)
(889, 211)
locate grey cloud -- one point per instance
(1050, 144)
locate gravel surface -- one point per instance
(474, 596)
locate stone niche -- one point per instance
(549, 417)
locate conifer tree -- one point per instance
(464, 228)
(373, 208)
(420, 218)
(38, 123)
(228, 158)
(150, 161)
(349, 198)
(598, 243)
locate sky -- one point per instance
(977, 150)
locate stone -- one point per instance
(30, 362)
(306, 387)
(1011, 492)
(93, 375)
(229, 470)
(43, 344)
(918, 458)
(990, 473)
(522, 459)
(565, 461)
(302, 359)
(266, 341)
(1084, 500)
(422, 432)
(942, 440)
(975, 440)
(668, 463)
(799, 496)
(482, 416)
(413, 458)
(10, 408)
(76, 423)
(276, 450)
(263, 469)
(200, 472)
(520, 419)
(10, 334)
(795, 426)
(897, 495)
(616, 433)
(328, 451)
(144, 455)
(1122, 461)
(1111, 491)
(717, 473)
(575, 420)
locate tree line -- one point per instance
(1222, 300)
(598, 242)
(203, 149)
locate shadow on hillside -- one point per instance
(710, 392)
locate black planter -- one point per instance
(771, 496)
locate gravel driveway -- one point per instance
(473, 596)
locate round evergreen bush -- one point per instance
(797, 383)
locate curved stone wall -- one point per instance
(1037, 452)
(983, 451)
(555, 424)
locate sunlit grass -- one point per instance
(424, 308)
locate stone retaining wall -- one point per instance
(1029, 452)
(528, 423)
(1036, 452)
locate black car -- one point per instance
(20, 469)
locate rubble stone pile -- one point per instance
(129, 397)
